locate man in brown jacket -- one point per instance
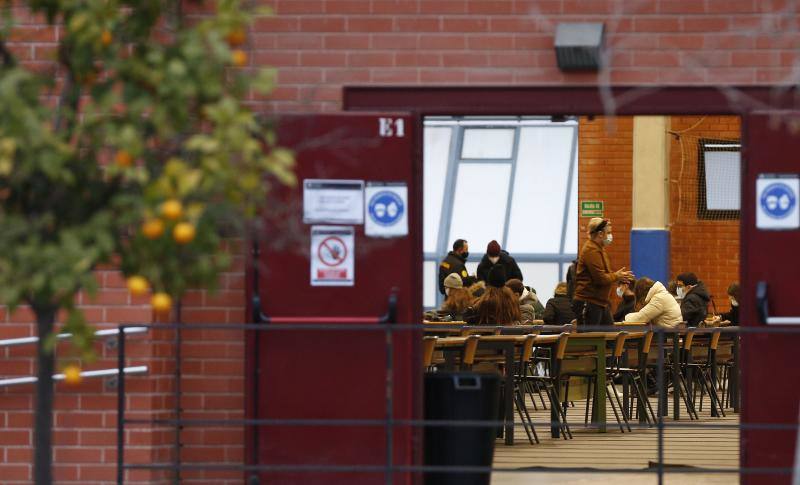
(594, 278)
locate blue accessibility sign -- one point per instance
(778, 200)
(386, 208)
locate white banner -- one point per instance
(333, 201)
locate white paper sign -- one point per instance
(386, 209)
(776, 202)
(333, 201)
(332, 256)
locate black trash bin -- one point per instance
(467, 396)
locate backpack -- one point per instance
(571, 274)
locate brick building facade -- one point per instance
(317, 47)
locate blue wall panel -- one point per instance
(650, 254)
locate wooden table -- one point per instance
(597, 340)
(507, 345)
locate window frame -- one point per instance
(703, 212)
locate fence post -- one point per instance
(121, 405)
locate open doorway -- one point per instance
(670, 185)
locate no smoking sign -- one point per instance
(332, 256)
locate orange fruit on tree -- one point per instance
(236, 37)
(72, 374)
(183, 233)
(239, 57)
(106, 38)
(153, 228)
(123, 158)
(138, 285)
(161, 302)
(172, 209)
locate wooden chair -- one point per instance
(702, 375)
(681, 387)
(520, 385)
(611, 391)
(428, 346)
(634, 377)
(552, 384)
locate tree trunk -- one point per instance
(43, 433)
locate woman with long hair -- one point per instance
(498, 305)
(656, 306)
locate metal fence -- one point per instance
(389, 422)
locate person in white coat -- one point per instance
(657, 306)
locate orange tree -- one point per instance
(146, 160)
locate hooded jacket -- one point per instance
(453, 263)
(508, 263)
(530, 306)
(660, 309)
(558, 310)
(694, 305)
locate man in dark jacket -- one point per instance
(454, 262)
(559, 309)
(496, 256)
(695, 298)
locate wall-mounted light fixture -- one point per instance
(579, 45)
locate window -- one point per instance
(719, 181)
(513, 179)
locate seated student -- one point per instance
(498, 305)
(658, 307)
(475, 287)
(528, 302)
(558, 310)
(694, 298)
(672, 288)
(458, 298)
(627, 302)
(733, 295)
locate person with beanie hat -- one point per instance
(459, 299)
(455, 262)
(594, 276)
(496, 256)
(694, 298)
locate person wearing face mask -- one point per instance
(694, 298)
(733, 295)
(495, 256)
(594, 276)
(455, 262)
(627, 300)
(657, 306)
(529, 305)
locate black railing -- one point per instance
(389, 421)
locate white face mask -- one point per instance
(609, 239)
(494, 259)
(681, 292)
(620, 291)
(734, 303)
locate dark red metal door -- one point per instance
(341, 374)
(770, 262)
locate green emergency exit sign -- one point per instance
(592, 208)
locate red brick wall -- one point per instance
(709, 248)
(318, 46)
(706, 247)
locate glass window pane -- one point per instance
(487, 143)
(436, 153)
(479, 206)
(543, 277)
(429, 284)
(723, 179)
(540, 185)
(572, 236)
